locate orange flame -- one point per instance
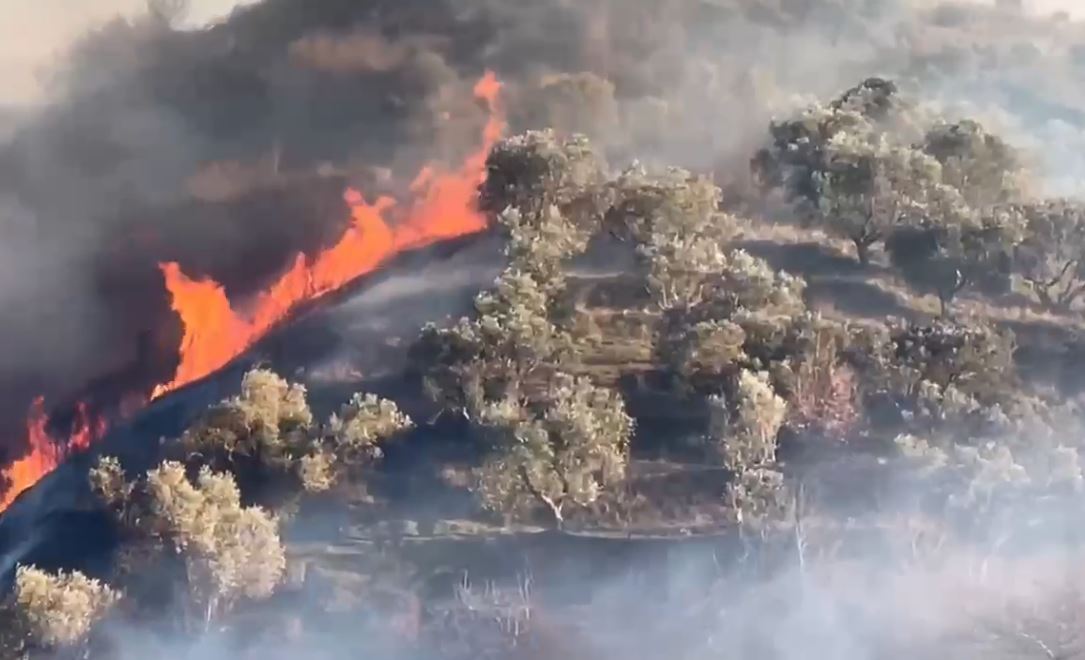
(215, 332)
(45, 452)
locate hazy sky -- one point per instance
(1075, 7)
(34, 32)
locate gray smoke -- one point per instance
(225, 147)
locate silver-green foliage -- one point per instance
(269, 427)
(58, 610)
(1051, 258)
(560, 454)
(351, 441)
(744, 430)
(230, 551)
(548, 196)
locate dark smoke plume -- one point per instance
(226, 148)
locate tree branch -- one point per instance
(555, 507)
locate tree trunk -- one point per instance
(862, 250)
(554, 506)
(946, 298)
(555, 511)
(1046, 300)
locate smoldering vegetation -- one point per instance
(822, 398)
(640, 439)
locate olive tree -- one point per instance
(512, 339)
(702, 355)
(558, 453)
(716, 303)
(971, 355)
(951, 253)
(870, 186)
(745, 427)
(754, 317)
(548, 196)
(265, 426)
(537, 169)
(796, 151)
(230, 552)
(1051, 256)
(877, 99)
(674, 220)
(862, 167)
(682, 239)
(982, 166)
(653, 207)
(748, 284)
(849, 165)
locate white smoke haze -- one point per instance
(35, 37)
(692, 600)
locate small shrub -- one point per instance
(909, 362)
(268, 432)
(263, 428)
(59, 610)
(825, 391)
(351, 442)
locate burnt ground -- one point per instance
(356, 340)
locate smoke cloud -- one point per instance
(225, 145)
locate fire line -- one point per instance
(215, 331)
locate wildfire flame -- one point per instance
(215, 332)
(45, 452)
